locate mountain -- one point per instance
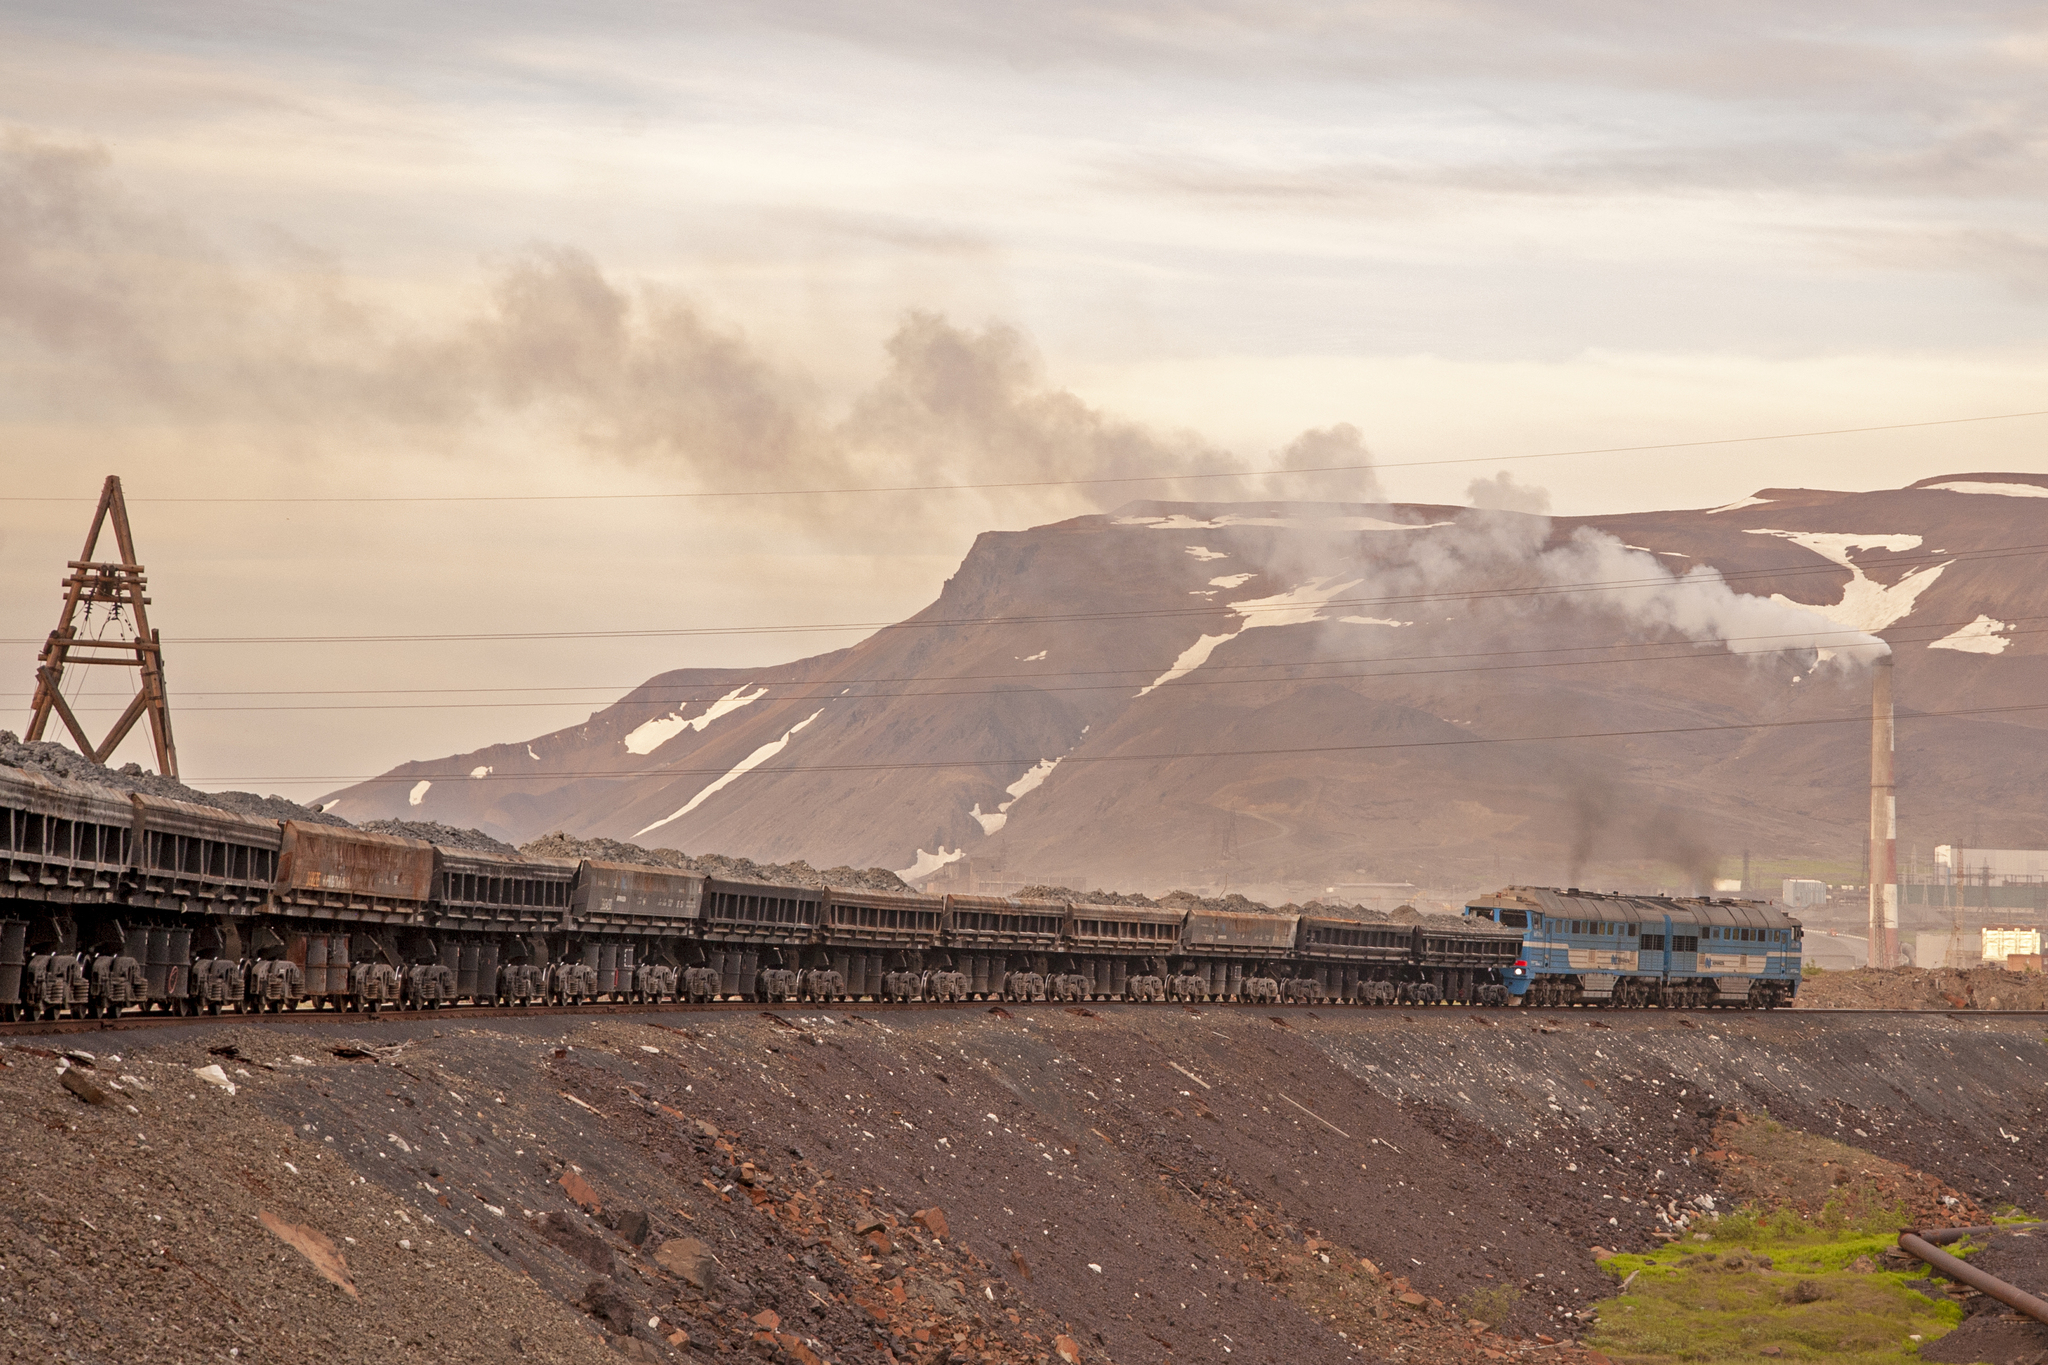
(1281, 698)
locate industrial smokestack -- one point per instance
(1884, 822)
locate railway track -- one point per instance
(455, 1013)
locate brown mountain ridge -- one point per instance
(1281, 698)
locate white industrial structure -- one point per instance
(2002, 941)
(1802, 893)
(1990, 866)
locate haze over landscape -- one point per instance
(1063, 684)
(294, 257)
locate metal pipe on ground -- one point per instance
(1962, 1271)
(1941, 1237)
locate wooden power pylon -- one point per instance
(117, 586)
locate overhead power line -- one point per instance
(614, 692)
(1860, 717)
(1249, 607)
(1675, 651)
(1355, 468)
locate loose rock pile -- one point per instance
(448, 836)
(561, 845)
(1920, 988)
(60, 761)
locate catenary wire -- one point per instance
(1245, 608)
(1704, 651)
(1082, 483)
(1857, 718)
(615, 691)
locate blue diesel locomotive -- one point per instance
(1602, 948)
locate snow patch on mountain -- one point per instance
(1866, 606)
(1180, 521)
(736, 772)
(1204, 553)
(1739, 504)
(418, 793)
(928, 863)
(2002, 490)
(645, 739)
(1299, 606)
(1979, 637)
(991, 821)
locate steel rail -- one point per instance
(32, 1028)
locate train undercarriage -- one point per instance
(87, 962)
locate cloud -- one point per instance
(147, 317)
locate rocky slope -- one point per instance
(940, 1187)
(1290, 698)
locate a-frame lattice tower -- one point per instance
(118, 587)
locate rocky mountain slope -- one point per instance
(966, 1186)
(1285, 698)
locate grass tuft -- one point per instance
(1811, 1290)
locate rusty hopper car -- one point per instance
(621, 911)
(331, 872)
(483, 902)
(868, 933)
(1222, 948)
(65, 843)
(201, 860)
(195, 867)
(65, 847)
(992, 936)
(748, 926)
(1104, 941)
(1466, 961)
(1341, 953)
(623, 896)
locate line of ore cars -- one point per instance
(114, 902)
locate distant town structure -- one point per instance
(1983, 879)
(1947, 948)
(2004, 941)
(1802, 893)
(1990, 866)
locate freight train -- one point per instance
(1604, 948)
(115, 902)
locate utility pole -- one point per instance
(118, 586)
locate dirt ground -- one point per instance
(1917, 988)
(1994, 1333)
(1762, 1162)
(964, 1186)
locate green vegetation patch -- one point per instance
(1776, 1289)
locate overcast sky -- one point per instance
(367, 250)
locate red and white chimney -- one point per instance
(1884, 822)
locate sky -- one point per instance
(627, 252)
